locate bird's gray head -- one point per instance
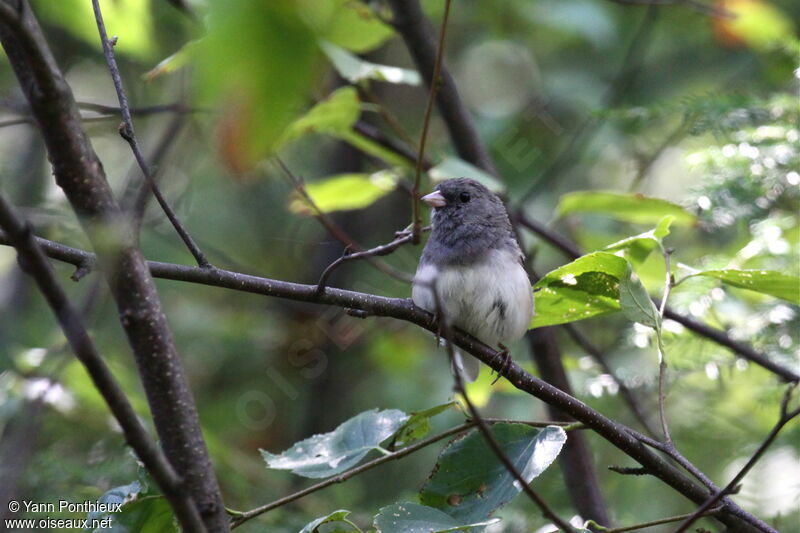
(468, 220)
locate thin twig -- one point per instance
(384, 249)
(670, 140)
(242, 517)
(336, 232)
(625, 392)
(621, 436)
(127, 133)
(416, 218)
(667, 520)
(483, 427)
(662, 356)
(585, 132)
(35, 263)
(720, 337)
(410, 21)
(785, 417)
(673, 453)
(107, 113)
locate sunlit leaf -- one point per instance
(453, 167)
(369, 146)
(755, 23)
(418, 425)
(636, 303)
(349, 24)
(174, 62)
(639, 247)
(257, 63)
(129, 20)
(586, 287)
(336, 516)
(469, 482)
(768, 282)
(328, 454)
(635, 208)
(355, 69)
(410, 517)
(334, 115)
(345, 192)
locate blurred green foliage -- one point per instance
(706, 121)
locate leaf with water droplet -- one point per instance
(469, 482)
(415, 518)
(331, 453)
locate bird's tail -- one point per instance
(469, 367)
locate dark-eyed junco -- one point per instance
(476, 262)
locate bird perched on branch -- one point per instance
(473, 260)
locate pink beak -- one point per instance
(434, 199)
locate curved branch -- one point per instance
(127, 132)
(79, 173)
(617, 434)
(36, 264)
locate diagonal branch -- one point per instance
(338, 233)
(785, 417)
(79, 173)
(483, 427)
(416, 217)
(35, 263)
(415, 29)
(621, 436)
(127, 132)
(571, 250)
(240, 518)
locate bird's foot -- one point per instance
(505, 355)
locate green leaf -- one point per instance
(453, 167)
(636, 303)
(334, 115)
(328, 454)
(336, 516)
(415, 518)
(635, 208)
(174, 62)
(367, 145)
(130, 20)
(469, 483)
(259, 93)
(761, 25)
(350, 25)
(418, 425)
(584, 288)
(769, 282)
(142, 512)
(355, 69)
(345, 192)
(639, 247)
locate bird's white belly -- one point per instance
(492, 300)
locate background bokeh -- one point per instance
(670, 102)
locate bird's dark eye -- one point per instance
(464, 197)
